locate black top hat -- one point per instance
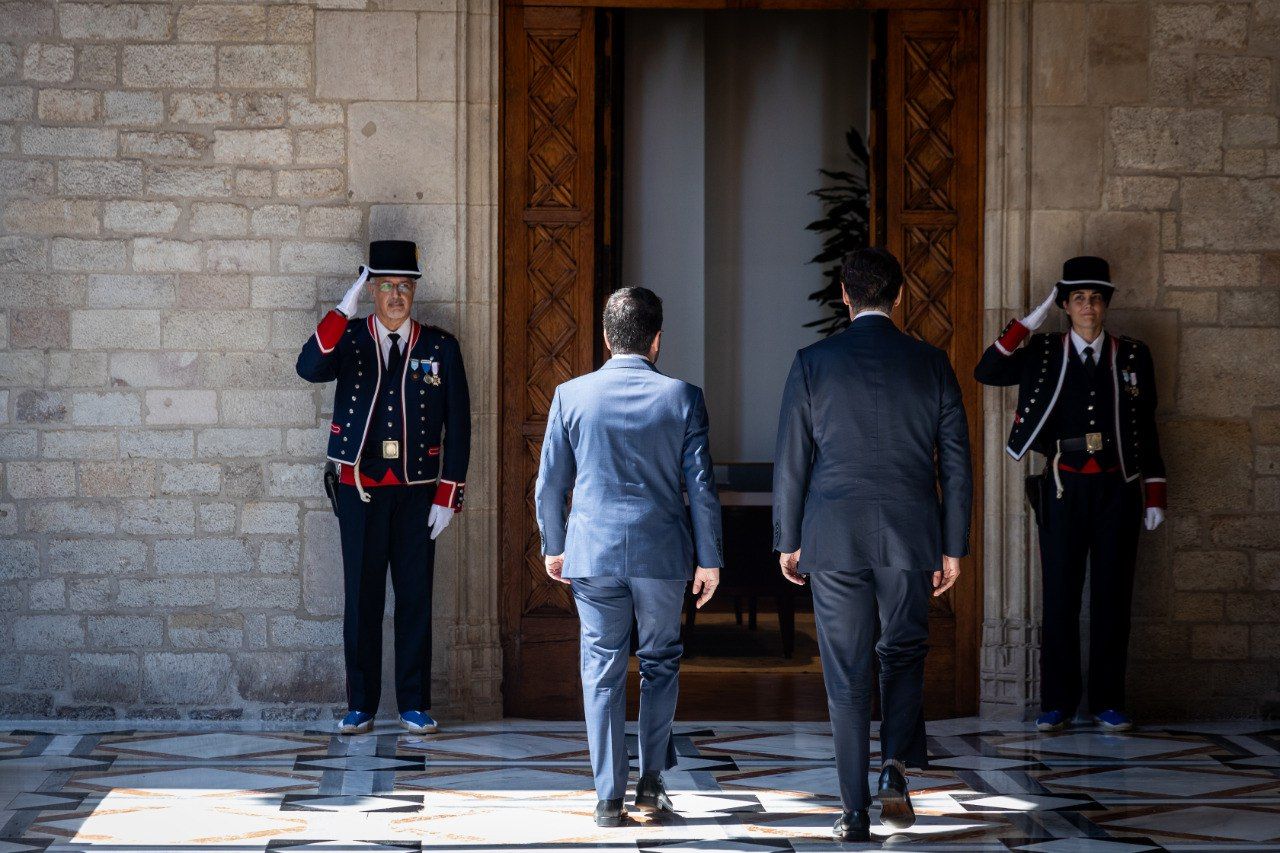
(393, 257)
(1085, 273)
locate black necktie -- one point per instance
(395, 358)
(1089, 362)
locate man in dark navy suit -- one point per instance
(401, 438)
(872, 492)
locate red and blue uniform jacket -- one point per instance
(435, 427)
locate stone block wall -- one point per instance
(1147, 132)
(184, 189)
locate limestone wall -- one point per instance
(1147, 132)
(185, 188)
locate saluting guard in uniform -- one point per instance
(1087, 401)
(400, 385)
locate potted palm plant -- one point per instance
(845, 226)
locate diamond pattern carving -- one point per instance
(553, 98)
(929, 271)
(929, 104)
(551, 332)
(551, 327)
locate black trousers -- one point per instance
(1096, 520)
(389, 530)
(846, 606)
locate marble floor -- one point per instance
(525, 786)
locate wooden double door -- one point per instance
(559, 174)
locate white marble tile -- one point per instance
(1210, 822)
(1157, 781)
(1085, 845)
(1099, 745)
(211, 745)
(187, 782)
(788, 745)
(506, 746)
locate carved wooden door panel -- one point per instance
(932, 210)
(547, 304)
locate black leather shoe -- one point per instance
(852, 826)
(610, 812)
(895, 801)
(651, 795)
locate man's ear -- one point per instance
(606, 342)
(844, 296)
(898, 300)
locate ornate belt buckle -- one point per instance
(390, 449)
(1093, 442)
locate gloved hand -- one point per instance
(438, 519)
(348, 304)
(1155, 517)
(1036, 318)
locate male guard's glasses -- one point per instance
(403, 287)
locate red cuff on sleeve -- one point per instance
(449, 494)
(1014, 334)
(1157, 492)
(330, 330)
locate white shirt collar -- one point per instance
(629, 355)
(1080, 343)
(383, 331)
(870, 311)
(384, 339)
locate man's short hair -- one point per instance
(872, 279)
(632, 316)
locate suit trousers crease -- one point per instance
(846, 607)
(1096, 524)
(389, 531)
(607, 608)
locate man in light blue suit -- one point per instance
(628, 441)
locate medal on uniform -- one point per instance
(390, 449)
(413, 364)
(434, 377)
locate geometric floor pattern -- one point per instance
(524, 785)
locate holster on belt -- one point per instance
(331, 484)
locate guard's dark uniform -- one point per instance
(414, 398)
(1099, 430)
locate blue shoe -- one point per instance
(419, 722)
(1114, 721)
(356, 723)
(1051, 721)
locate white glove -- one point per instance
(438, 519)
(1155, 517)
(1036, 318)
(348, 304)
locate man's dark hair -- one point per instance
(632, 316)
(872, 279)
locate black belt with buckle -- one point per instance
(1089, 443)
